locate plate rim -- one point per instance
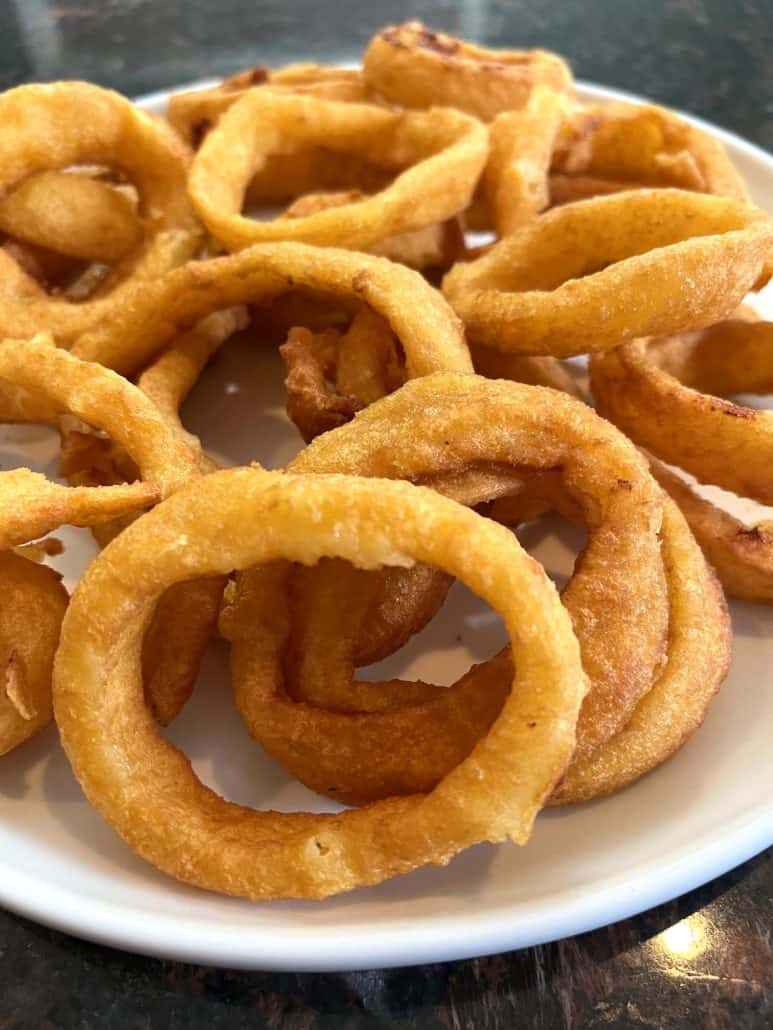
(439, 938)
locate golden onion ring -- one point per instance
(644, 145)
(626, 256)
(441, 153)
(428, 330)
(33, 506)
(146, 789)
(412, 66)
(61, 125)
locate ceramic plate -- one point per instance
(703, 812)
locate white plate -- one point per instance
(703, 812)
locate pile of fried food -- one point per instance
(426, 377)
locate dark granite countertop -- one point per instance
(705, 960)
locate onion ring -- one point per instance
(416, 434)
(32, 506)
(242, 517)
(363, 363)
(645, 145)
(310, 405)
(666, 379)
(429, 332)
(49, 127)
(715, 440)
(33, 605)
(540, 290)
(443, 153)
(698, 659)
(410, 65)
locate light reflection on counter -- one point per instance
(686, 939)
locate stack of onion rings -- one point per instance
(198, 837)
(397, 738)
(333, 563)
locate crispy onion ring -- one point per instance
(429, 332)
(669, 407)
(742, 555)
(645, 145)
(73, 215)
(628, 255)
(32, 605)
(50, 127)
(699, 650)
(194, 112)
(653, 389)
(362, 364)
(33, 506)
(423, 432)
(145, 787)
(310, 363)
(442, 151)
(410, 65)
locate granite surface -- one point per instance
(703, 961)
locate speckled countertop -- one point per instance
(703, 961)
